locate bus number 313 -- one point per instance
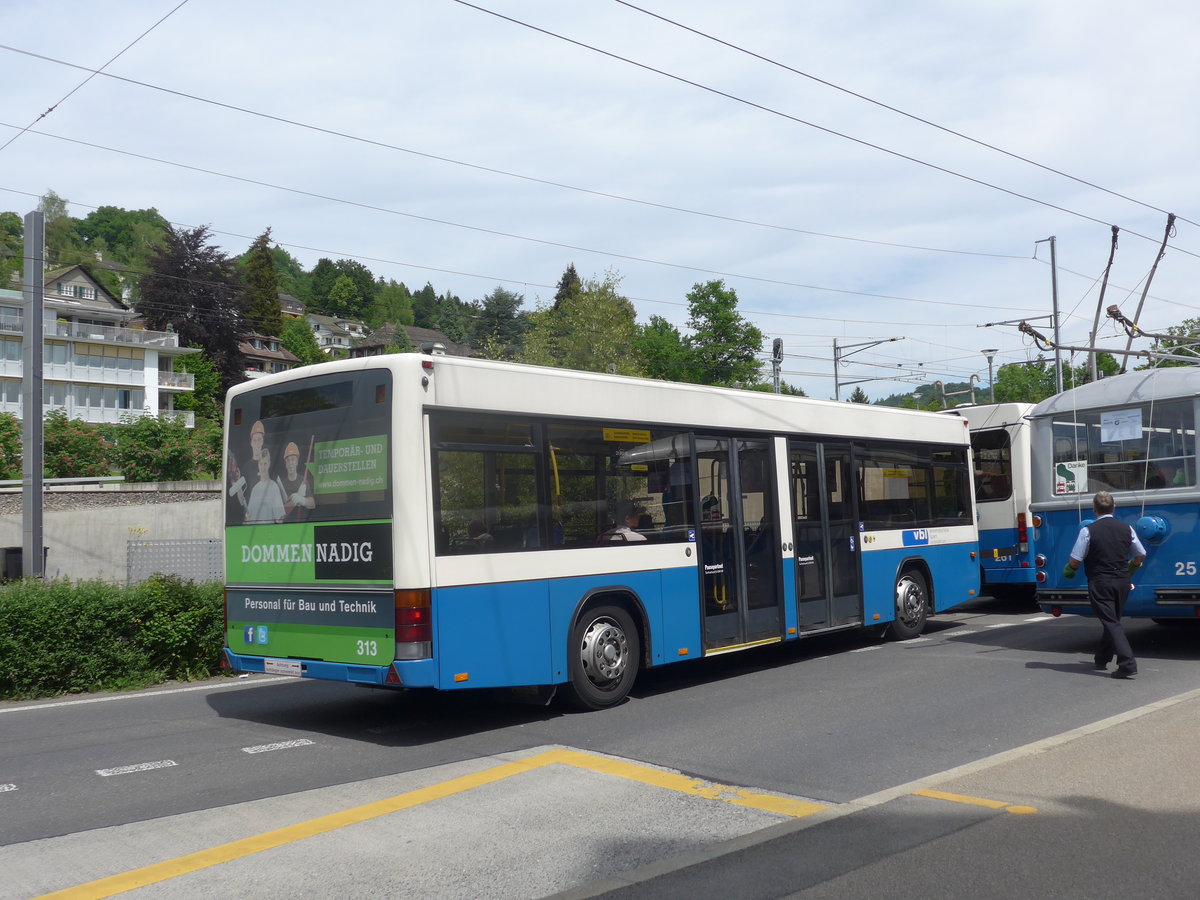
(368, 648)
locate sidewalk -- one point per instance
(1116, 806)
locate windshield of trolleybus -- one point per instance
(300, 457)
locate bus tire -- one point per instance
(912, 605)
(604, 656)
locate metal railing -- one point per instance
(120, 334)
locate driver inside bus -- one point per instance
(1168, 475)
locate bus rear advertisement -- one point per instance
(438, 522)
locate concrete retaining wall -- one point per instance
(87, 530)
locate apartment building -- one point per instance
(99, 364)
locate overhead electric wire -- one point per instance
(494, 171)
(492, 231)
(908, 115)
(94, 73)
(830, 131)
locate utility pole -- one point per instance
(1058, 373)
(32, 426)
(776, 361)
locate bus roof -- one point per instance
(1130, 389)
(481, 385)
(991, 415)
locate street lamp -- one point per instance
(991, 382)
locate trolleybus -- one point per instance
(1133, 435)
(439, 522)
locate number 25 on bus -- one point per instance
(438, 522)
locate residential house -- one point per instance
(99, 364)
(331, 337)
(421, 339)
(291, 307)
(266, 356)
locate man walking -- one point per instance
(1110, 553)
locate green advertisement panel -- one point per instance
(309, 553)
(357, 464)
(344, 626)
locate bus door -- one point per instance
(738, 542)
(826, 536)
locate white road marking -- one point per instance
(142, 695)
(279, 745)
(915, 640)
(1040, 619)
(137, 767)
(1003, 625)
(7, 787)
(866, 649)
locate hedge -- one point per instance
(60, 636)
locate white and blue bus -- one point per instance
(439, 522)
(1133, 435)
(1000, 446)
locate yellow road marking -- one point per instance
(976, 801)
(203, 859)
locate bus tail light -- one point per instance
(1056, 611)
(1022, 533)
(1039, 560)
(414, 624)
(1037, 521)
(1040, 577)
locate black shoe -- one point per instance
(1099, 664)
(1121, 673)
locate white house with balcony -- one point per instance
(336, 335)
(99, 366)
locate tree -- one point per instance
(392, 303)
(11, 462)
(859, 395)
(324, 274)
(263, 310)
(12, 243)
(661, 351)
(153, 448)
(298, 338)
(206, 399)
(568, 285)
(344, 298)
(193, 288)
(593, 330)
(498, 323)
(63, 244)
(424, 306)
(723, 346)
(73, 448)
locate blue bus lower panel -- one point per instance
(954, 571)
(416, 673)
(1002, 560)
(1167, 586)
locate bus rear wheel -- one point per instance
(604, 655)
(912, 605)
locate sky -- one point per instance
(878, 177)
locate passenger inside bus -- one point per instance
(632, 518)
(1167, 475)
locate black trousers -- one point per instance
(1107, 597)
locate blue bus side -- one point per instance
(497, 635)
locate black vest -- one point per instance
(1108, 549)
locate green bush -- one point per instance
(69, 637)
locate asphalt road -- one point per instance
(463, 795)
